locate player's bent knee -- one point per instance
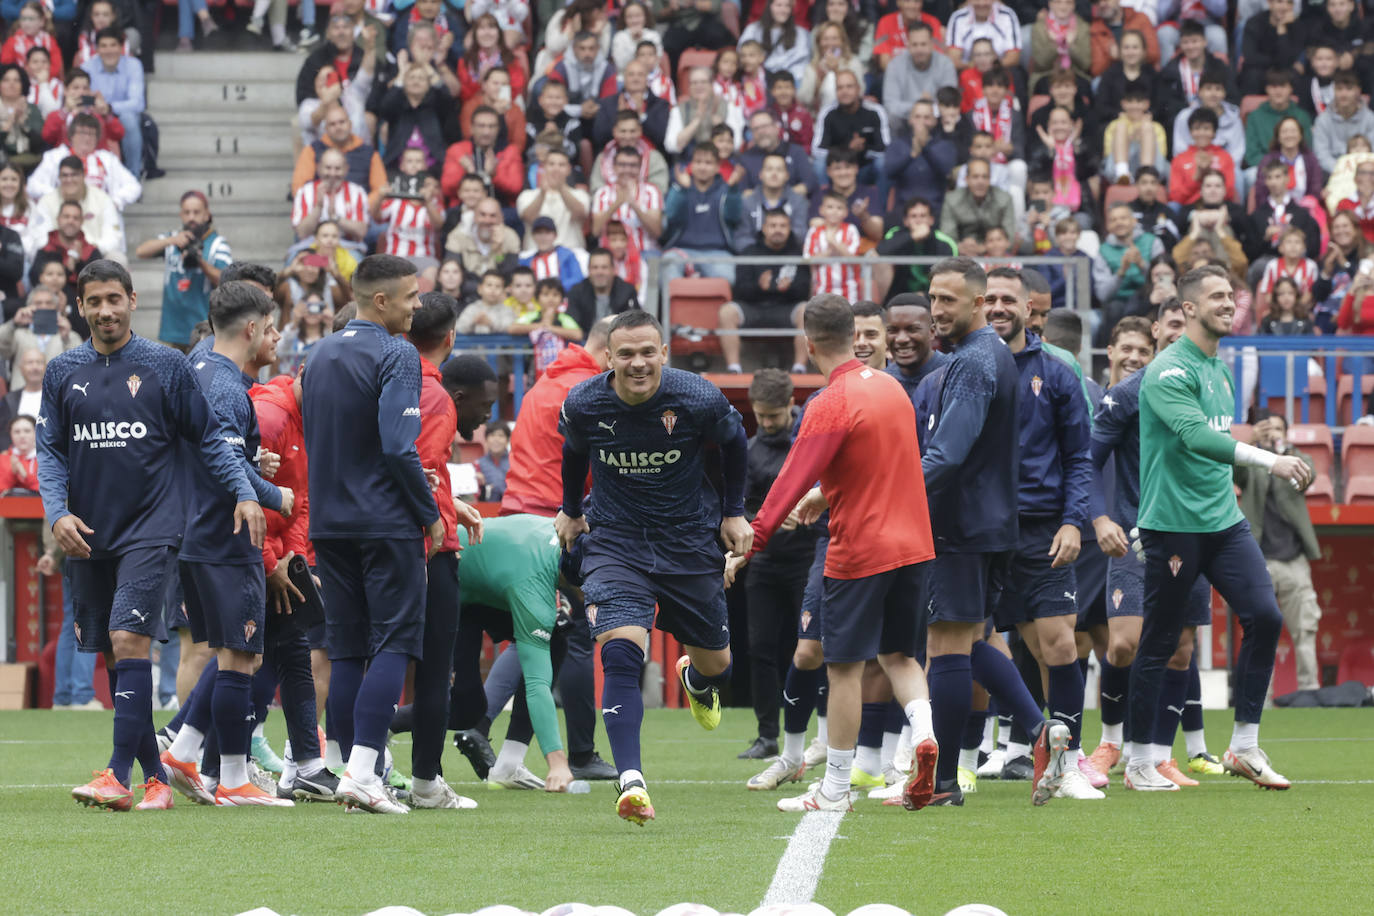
(709, 662)
(808, 656)
(124, 644)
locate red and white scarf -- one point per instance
(1000, 128)
(753, 93)
(1279, 215)
(1297, 174)
(1191, 79)
(440, 23)
(1322, 97)
(1067, 191)
(1062, 33)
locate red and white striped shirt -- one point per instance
(662, 86)
(840, 279)
(649, 199)
(545, 266)
(348, 202)
(409, 231)
(1304, 273)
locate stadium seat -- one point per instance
(1316, 402)
(1357, 452)
(1315, 439)
(693, 307)
(471, 451)
(1118, 194)
(1345, 389)
(1322, 492)
(1273, 387)
(1357, 663)
(1037, 102)
(1359, 490)
(692, 57)
(1249, 104)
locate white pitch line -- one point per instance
(799, 870)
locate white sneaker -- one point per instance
(1143, 777)
(778, 772)
(814, 801)
(370, 795)
(443, 796)
(1253, 764)
(814, 754)
(891, 790)
(261, 778)
(1062, 760)
(1073, 784)
(992, 769)
(519, 778)
(904, 757)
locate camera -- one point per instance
(190, 255)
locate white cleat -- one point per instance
(1073, 784)
(891, 790)
(777, 773)
(1057, 737)
(814, 755)
(443, 796)
(519, 778)
(1253, 764)
(814, 800)
(992, 768)
(370, 795)
(904, 756)
(1141, 776)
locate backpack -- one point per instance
(150, 132)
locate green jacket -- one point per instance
(1259, 130)
(1255, 484)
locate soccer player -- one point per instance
(859, 439)
(105, 469)
(971, 435)
(1190, 524)
(444, 411)
(909, 339)
(1040, 593)
(652, 529)
(371, 510)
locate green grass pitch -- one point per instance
(1225, 846)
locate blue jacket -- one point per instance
(1056, 469)
(924, 175)
(569, 268)
(684, 203)
(62, 10)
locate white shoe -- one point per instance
(1057, 737)
(891, 790)
(814, 754)
(1253, 764)
(261, 778)
(814, 801)
(992, 769)
(1143, 777)
(370, 795)
(904, 757)
(1073, 784)
(90, 706)
(519, 778)
(778, 772)
(893, 775)
(443, 796)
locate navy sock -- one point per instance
(799, 694)
(376, 701)
(112, 677)
(1115, 682)
(196, 710)
(951, 693)
(973, 729)
(699, 683)
(345, 679)
(823, 693)
(871, 725)
(1066, 699)
(894, 718)
(1017, 733)
(133, 713)
(1000, 678)
(622, 705)
(233, 712)
(209, 756)
(1083, 668)
(265, 681)
(1192, 709)
(1172, 696)
(149, 758)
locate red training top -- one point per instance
(438, 426)
(283, 432)
(859, 439)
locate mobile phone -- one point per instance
(45, 321)
(88, 100)
(315, 260)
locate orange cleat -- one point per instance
(157, 796)
(250, 796)
(1170, 771)
(921, 786)
(104, 792)
(185, 778)
(1105, 757)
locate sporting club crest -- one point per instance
(1117, 596)
(669, 421)
(134, 384)
(806, 620)
(249, 629)
(1036, 384)
(1175, 564)
(77, 628)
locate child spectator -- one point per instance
(1230, 132)
(1132, 68)
(1066, 234)
(489, 314)
(833, 237)
(1061, 151)
(1185, 174)
(949, 115)
(1288, 314)
(752, 78)
(624, 256)
(1134, 139)
(997, 244)
(1069, 92)
(550, 110)
(723, 139)
(19, 462)
(1317, 91)
(1292, 262)
(786, 44)
(1281, 210)
(411, 211)
(1152, 214)
(493, 466)
(45, 90)
(1042, 213)
(551, 260)
(726, 82)
(797, 125)
(521, 290)
(311, 319)
(995, 113)
(549, 327)
(34, 30)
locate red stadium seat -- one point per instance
(1249, 104)
(1359, 490)
(1316, 401)
(692, 57)
(1345, 389)
(1118, 194)
(1357, 452)
(1315, 440)
(1322, 492)
(1357, 663)
(694, 302)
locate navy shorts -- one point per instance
(1032, 588)
(119, 593)
(374, 595)
(174, 604)
(1091, 572)
(1126, 593)
(872, 616)
(625, 574)
(964, 587)
(813, 597)
(226, 605)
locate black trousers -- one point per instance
(467, 699)
(774, 592)
(432, 671)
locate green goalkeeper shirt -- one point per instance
(1187, 400)
(515, 569)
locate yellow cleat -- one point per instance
(1206, 764)
(707, 717)
(634, 806)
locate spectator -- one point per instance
(500, 167)
(1214, 212)
(1059, 152)
(330, 74)
(1230, 131)
(1067, 232)
(1292, 262)
(1357, 308)
(495, 462)
(489, 314)
(1345, 258)
(565, 24)
(25, 400)
(865, 206)
(691, 25)
(768, 295)
(771, 194)
(189, 12)
(629, 133)
(858, 29)
(330, 197)
(995, 114)
(917, 74)
(1275, 40)
(831, 55)
(1204, 156)
(1288, 315)
(45, 90)
(602, 293)
(1347, 117)
(77, 99)
(103, 168)
(101, 14)
(364, 23)
(796, 124)
(424, 46)
(1121, 267)
(1060, 40)
(968, 212)
(752, 78)
(489, 246)
(1131, 70)
(634, 96)
(852, 123)
(549, 114)
(1152, 213)
(890, 36)
(19, 462)
(1182, 19)
(421, 116)
(700, 217)
(691, 122)
(767, 140)
(118, 78)
(636, 26)
(636, 203)
(916, 237)
(21, 124)
(32, 31)
(520, 286)
(1262, 123)
(832, 237)
(446, 21)
(550, 259)
(1111, 23)
(1282, 209)
(67, 245)
(660, 82)
(1280, 522)
(412, 213)
(1134, 139)
(988, 19)
(194, 256)
(554, 200)
(918, 162)
(589, 77)
(550, 329)
(311, 320)
(1317, 89)
(364, 165)
(313, 274)
(1181, 77)
(21, 333)
(786, 44)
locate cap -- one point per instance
(544, 222)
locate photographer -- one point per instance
(193, 258)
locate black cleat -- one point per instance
(761, 749)
(947, 795)
(1018, 768)
(319, 786)
(477, 749)
(594, 768)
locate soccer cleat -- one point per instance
(371, 795)
(249, 795)
(322, 786)
(518, 778)
(1018, 768)
(1105, 757)
(1054, 739)
(104, 792)
(708, 717)
(474, 745)
(1206, 764)
(815, 800)
(165, 737)
(1040, 753)
(891, 790)
(1142, 777)
(761, 749)
(946, 795)
(1170, 771)
(633, 804)
(864, 780)
(285, 791)
(594, 768)
(992, 767)
(1253, 764)
(1096, 778)
(921, 786)
(157, 796)
(777, 773)
(186, 779)
(904, 755)
(968, 780)
(265, 757)
(261, 778)
(1072, 783)
(814, 755)
(443, 796)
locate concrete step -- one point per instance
(230, 141)
(224, 185)
(204, 66)
(228, 100)
(279, 163)
(265, 238)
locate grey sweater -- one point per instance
(903, 84)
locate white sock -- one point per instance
(1017, 750)
(868, 759)
(309, 767)
(1196, 741)
(968, 758)
(986, 745)
(793, 744)
(511, 756)
(211, 784)
(233, 770)
(362, 763)
(1244, 735)
(424, 786)
(838, 764)
(1158, 753)
(918, 714)
(333, 757)
(288, 772)
(257, 729)
(734, 367)
(1123, 169)
(187, 745)
(822, 732)
(1128, 751)
(1111, 734)
(629, 776)
(890, 740)
(278, 33)
(260, 8)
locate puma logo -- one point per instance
(124, 694)
(41, 421)
(790, 701)
(609, 427)
(1072, 596)
(1113, 699)
(81, 388)
(1175, 709)
(612, 711)
(1066, 717)
(142, 618)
